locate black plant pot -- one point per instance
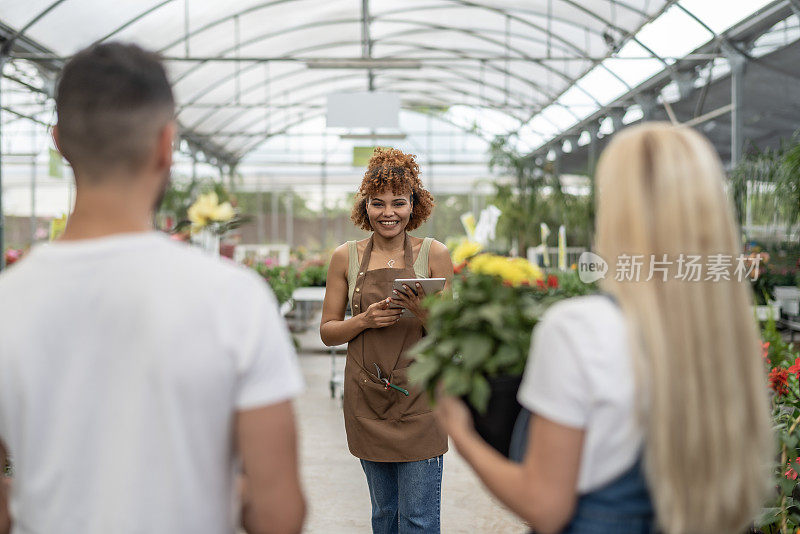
(497, 424)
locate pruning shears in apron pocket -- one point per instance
(387, 384)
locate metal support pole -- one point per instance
(261, 209)
(748, 218)
(429, 148)
(3, 59)
(33, 186)
(324, 179)
(324, 230)
(685, 82)
(594, 130)
(274, 212)
(648, 103)
(289, 199)
(558, 149)
(616, 116)
(738, 63)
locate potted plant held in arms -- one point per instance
(478, 340)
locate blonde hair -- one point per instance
(695, 343)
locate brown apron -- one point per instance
(382, 423)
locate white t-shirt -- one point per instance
(580, 374)
(123, 361)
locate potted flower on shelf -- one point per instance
(210, 220)
(478, 341)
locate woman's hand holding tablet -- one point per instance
(408, 293)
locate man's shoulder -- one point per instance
(13, 277)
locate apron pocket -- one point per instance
(374, 400)
(417, 401)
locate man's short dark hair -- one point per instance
(112, 100)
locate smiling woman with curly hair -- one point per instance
(389, 424)
(397, 172)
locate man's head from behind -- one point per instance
(115, 114)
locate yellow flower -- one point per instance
(468, 220)
(515, 271)
(223, 213)
(465, 250)
(207, 209)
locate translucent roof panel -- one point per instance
(660, 35)
(231, 61)
(718, 19)
(248, 71)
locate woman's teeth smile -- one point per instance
(389, 223)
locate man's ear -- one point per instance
(165, 145)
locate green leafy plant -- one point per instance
(313, 274)
(774, 176)
(534, 197)
(282, 279)
(483, 330)
(520, 200)
(788, 183)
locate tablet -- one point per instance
(429, 285)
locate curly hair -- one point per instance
(392, 169)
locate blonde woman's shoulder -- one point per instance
(584, 311)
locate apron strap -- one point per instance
(365, 259)
(408, 258)
(356, 301)
(358, 292)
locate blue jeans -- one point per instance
(406, 496)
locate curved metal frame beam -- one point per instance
(248, 148)
(282, 129)
(510, 13)
(279, 131)
(10, 42)
(520, 99)
(630, 35)
(412, 47)
(382, 77)
(352, 43)
(132, 21)
(427, 28)
(458, 3)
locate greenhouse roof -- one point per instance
(248, 71)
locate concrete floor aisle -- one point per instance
(334, 483)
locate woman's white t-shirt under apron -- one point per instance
(580, 374)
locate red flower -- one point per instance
(794, 369)
(552, 281)
(12, 256)
(540, 284)
(765, 351)
(460, 267)
(790, 473)
(778, 380)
